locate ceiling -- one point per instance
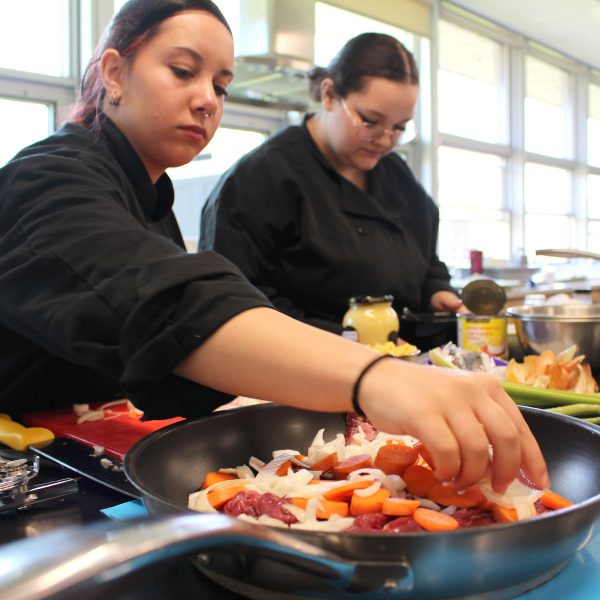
(570, 26)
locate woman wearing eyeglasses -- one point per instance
(327, 210)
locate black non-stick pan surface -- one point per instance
(498, 561)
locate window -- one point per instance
(547, 110)
(194, 182)
(329, 40)
(472, 98)
(547, 194)
(21, 124)
(593, 125)
(36, 85)
(470, 195)
(593, 210)
(471, 169)
(512, 186)
(44, 24)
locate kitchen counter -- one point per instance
(177, 578)
(516, 295)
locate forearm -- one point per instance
(264, 354)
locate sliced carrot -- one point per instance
(325, 463)
(394, 459)
(221, 495)
(448, 494)
(422, 450)
(283, 469)
(553, 500)
(213, 477)
(346, 466)
(370, 504)
(419, 479)
(502, 514)
(433, 520)
(399, 507)
(329, 507)
(344, 492)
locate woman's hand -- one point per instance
(444, 301)
(457, 415)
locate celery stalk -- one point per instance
(578, 410)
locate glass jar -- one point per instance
(371, 320)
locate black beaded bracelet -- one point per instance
(355, 405)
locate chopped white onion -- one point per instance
(289, 453)
(90, 415)
(517, 495)
(426, 503)
(372, 489)
(256, 463)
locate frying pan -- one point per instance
(494, 562)
(498, 561)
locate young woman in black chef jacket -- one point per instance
(98, 295)
(327, 210)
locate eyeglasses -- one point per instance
(368, 132)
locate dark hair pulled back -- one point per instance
(366, 55)
(136, 23)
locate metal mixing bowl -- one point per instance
(558, 327)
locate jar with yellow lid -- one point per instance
(371, 320)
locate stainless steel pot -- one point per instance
(556, 328)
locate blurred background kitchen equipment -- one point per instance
(427, 330)
(17, 493)
(556, 328)
(567, 253)
(476, 259)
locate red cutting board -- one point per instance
(115, 435)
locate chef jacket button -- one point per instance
(361, 230)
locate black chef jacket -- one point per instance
(97, 295)
(310, 239)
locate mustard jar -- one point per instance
(371, 320)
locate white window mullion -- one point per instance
(515, 180)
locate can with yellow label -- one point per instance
(483, 334)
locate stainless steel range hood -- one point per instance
(276, 49)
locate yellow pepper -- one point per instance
(19, 438)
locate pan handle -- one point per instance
(61, 560)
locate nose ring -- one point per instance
(207, 114)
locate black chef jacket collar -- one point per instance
(156, 200)
(355, 202)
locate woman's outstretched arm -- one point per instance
(264, 354)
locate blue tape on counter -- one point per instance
(134, 509)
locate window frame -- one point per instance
(58, 92)
(515, 50)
